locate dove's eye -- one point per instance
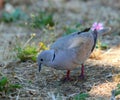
(41, 59)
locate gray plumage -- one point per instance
(70, 51)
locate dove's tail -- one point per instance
(103, 31)
(97, 33)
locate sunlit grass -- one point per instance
(28, 51)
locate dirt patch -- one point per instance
(98, 80)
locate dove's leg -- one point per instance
(68, 74)
(67, 77)
(82, 72)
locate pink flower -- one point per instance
(97, 26)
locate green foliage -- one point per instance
(42, 19)
(81, 96)
(69, 30)
(27, 53)
(6, 86)
(101, 45)
(3, 82)
(118, 86)
(117, 91)
(14, 16)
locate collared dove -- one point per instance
(70, 51)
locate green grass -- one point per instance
(117, 91)
(73, 28)
(101, 45)
(81, 96)
(28, 51)
(6, 86)
(41, 20)
(16, 15)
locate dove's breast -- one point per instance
(64, 60)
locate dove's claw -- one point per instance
(66, 79)
(81, 77)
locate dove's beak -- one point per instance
(40, 67)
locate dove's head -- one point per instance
(44, 58)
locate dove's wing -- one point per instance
(82, 47)
(71, 41)
(77, 47)
(84, 50)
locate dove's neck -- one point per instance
(51, 58)
(50, 64)
(95, 35)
